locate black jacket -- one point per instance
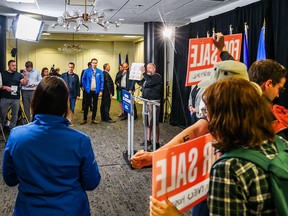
(130, 84)
(76, 86)
(108, 84)
(118, 80)
(152, 86)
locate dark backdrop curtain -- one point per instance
(179, 102)
(2, 43)
(278, 43)
(276, 16)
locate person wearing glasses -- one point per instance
(268, 74)
(93, 85)
(237, 117)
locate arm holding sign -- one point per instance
(220, 45)
(159, 208)
(142, 159)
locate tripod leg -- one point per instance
(22, 119)
(2, 132)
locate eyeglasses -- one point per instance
(204, 111)
(281, 89)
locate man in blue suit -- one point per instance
(93, 85)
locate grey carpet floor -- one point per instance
(122, 191)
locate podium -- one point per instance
(128, 106)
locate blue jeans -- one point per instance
(72, 104)
(201, 209)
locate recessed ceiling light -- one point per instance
(139, 5)
(22, 1)
(130, 36)
(121, 19)
(46, 33)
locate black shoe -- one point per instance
(110, 121)
(150, 149)
(123, 118)
(148, 143)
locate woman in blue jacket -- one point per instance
(53, 164)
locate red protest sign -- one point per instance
(202, 55)
(182, 172)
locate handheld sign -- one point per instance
(202, 55)
(182, 172)
(135, 71)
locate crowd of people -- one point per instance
(72, 169)
(237, 111)
(93, 82)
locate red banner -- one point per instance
(182, 172)
(202, 55)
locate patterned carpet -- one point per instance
(122, 191)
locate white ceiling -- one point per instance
(134, 12)
(178, 12)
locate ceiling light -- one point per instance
(167, 32)
(22, 1)
(95, 16)
(72, 48)
(130, 36)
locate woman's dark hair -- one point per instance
(238, 115)
(43, 69)
(50, 97)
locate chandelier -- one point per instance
(72, 48)
(95, 16)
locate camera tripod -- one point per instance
(22, 118)
(167, 104)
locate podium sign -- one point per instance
(126, 101)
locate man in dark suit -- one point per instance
(108, 93)
(83, 101)
(128, 85)
(72, 81)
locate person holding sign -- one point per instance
(221, 70)
(234, 183)
(268, 74)
(238, 186)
